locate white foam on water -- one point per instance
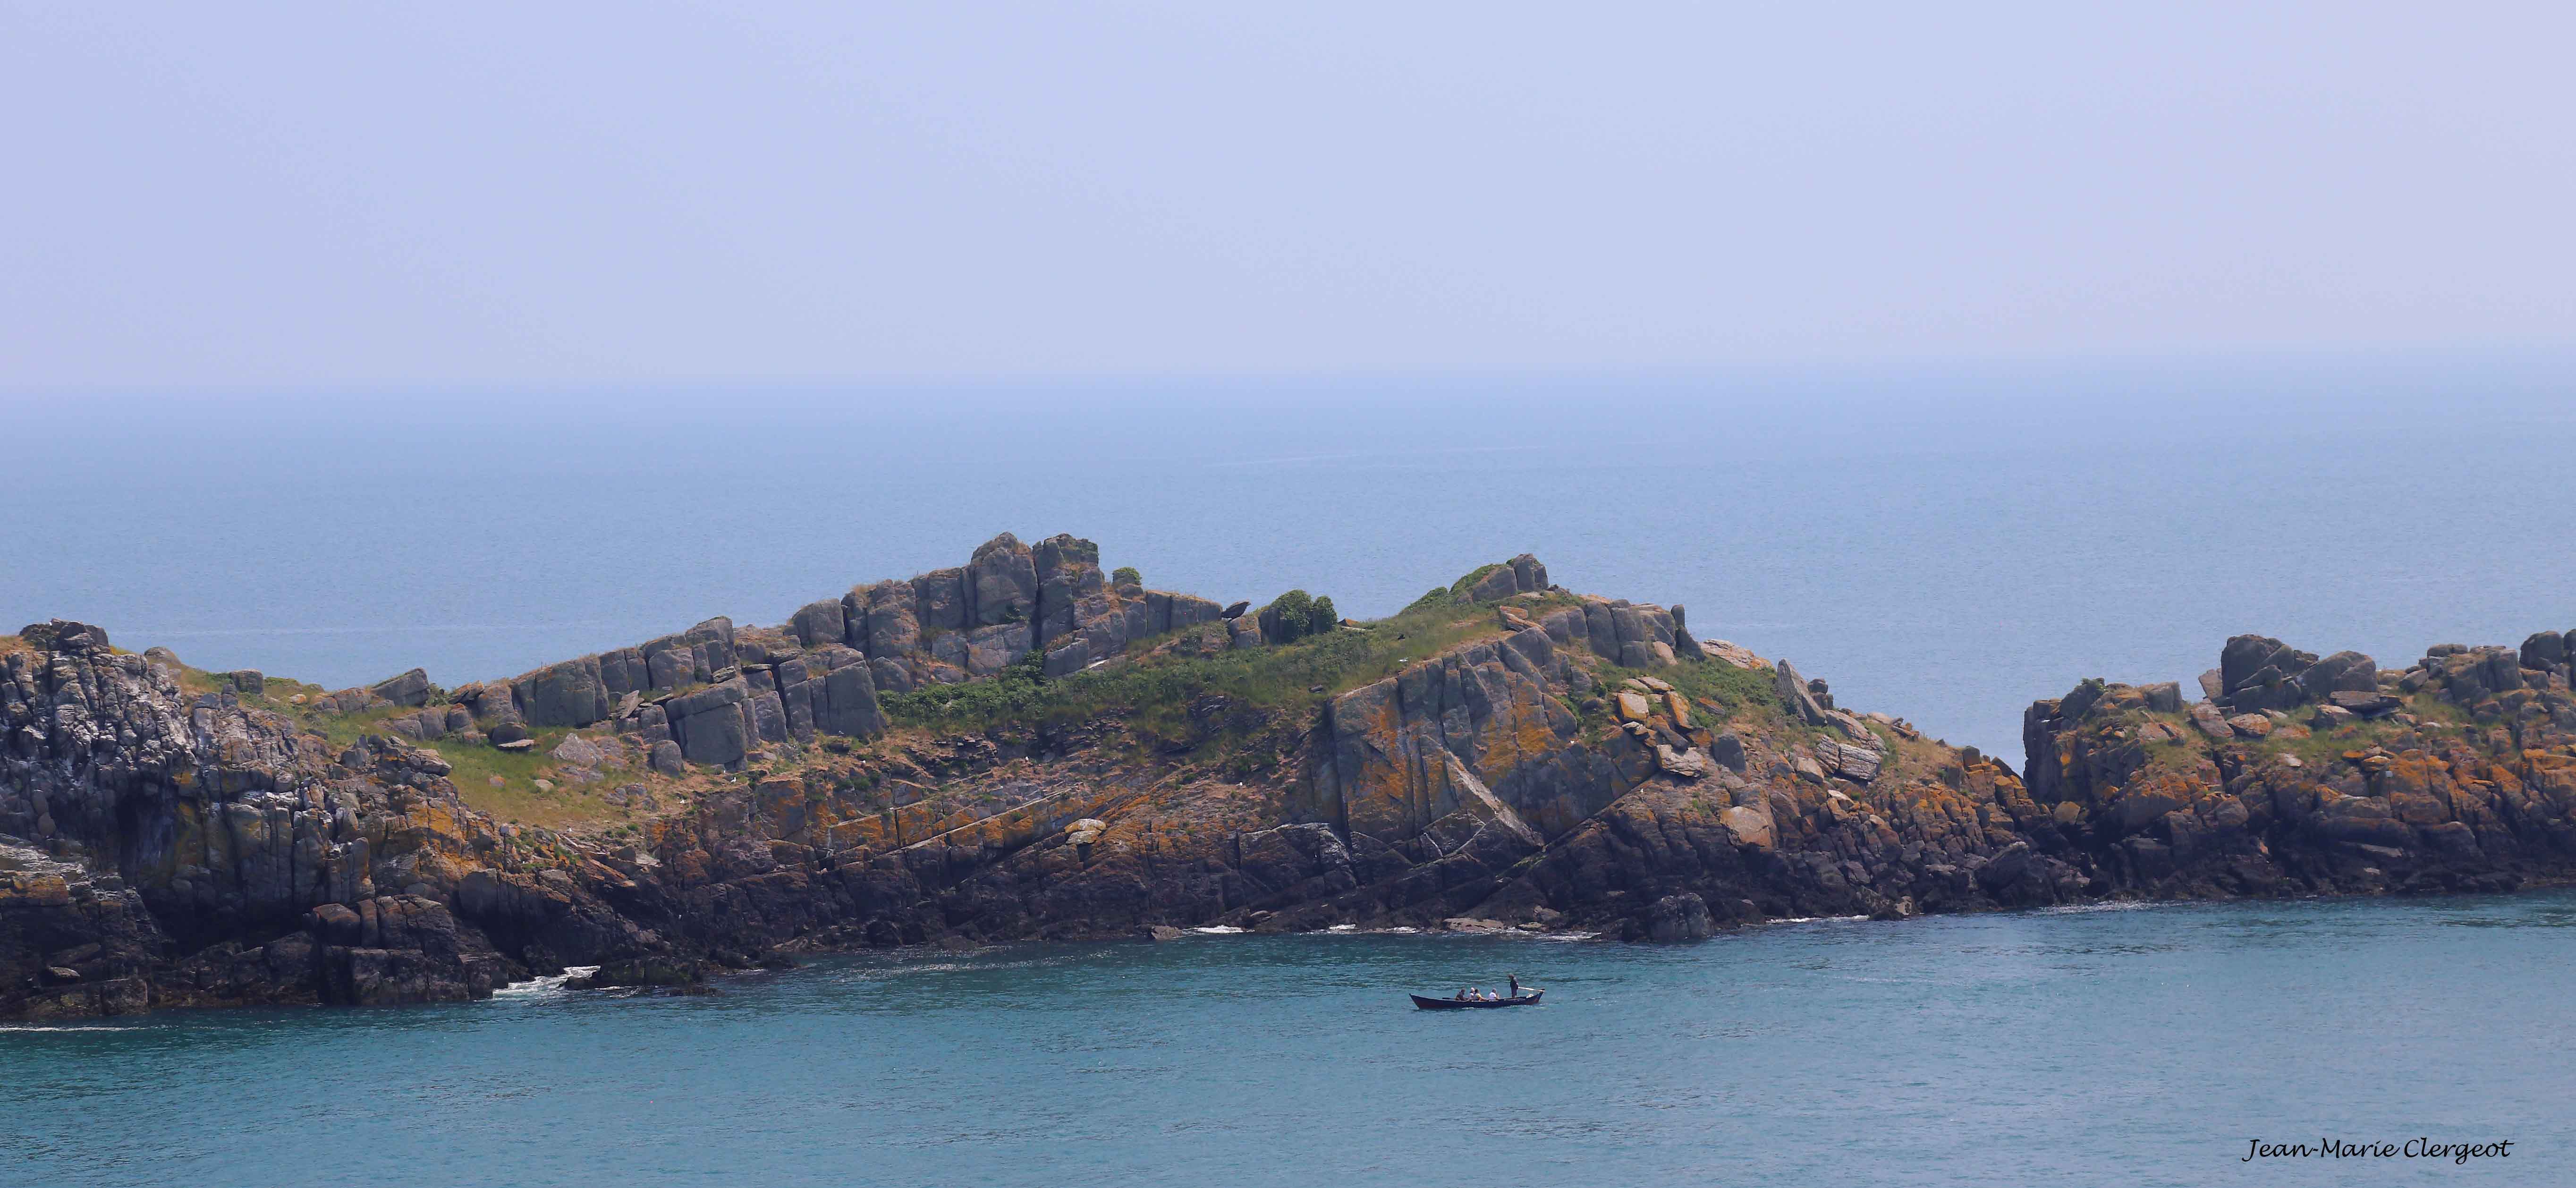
(544, 987)
(1218, 930)
(2108, 905)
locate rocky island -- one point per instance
(1028, 746)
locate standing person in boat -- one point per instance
(1516, 984)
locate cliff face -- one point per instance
(197, 853)
(1020, 747)
(2300, 775)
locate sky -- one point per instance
(310, 196)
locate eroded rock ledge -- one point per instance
(1027, 747)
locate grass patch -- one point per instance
(1739, 695)
(1222, 705)
(1737, 689)
(516, 798)
(2327, 747)
(1452, 595)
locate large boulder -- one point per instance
(566, 694)
(409, 689)
(1523, 574)
(892, 620)
(1792, 689)
(2259, 672)
(64, 635)
(818, 623)
(713, 725)
(1748, 825)
(893, 675)
(488, 702)
(670, 662)
(1600, 628)
(2343, 672)
(1002, 582)
(1068, 571)
(1682, 917)
(1529, 573)
(1166, 611)
(1498, 583)
(844, 701)
(2545, 651)
(988, 650)
(624, 671)
(942, 599)
(712, 642)
(768, 716)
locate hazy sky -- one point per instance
(302, 195)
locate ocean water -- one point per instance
(2139, 1046)
(1945, 546)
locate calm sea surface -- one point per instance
(2134, 1047)
(1942, 547)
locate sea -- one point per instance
(2120, 1045)
(1944, 545)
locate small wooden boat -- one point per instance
(1526, 997)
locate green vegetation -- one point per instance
(1458, 589)
(1126, 575)
(1294, 616)
(1736, 692)
(1236, 709)
(1453, 594)
(2327, 747)
(1437, 596)
(1736, 689)
(517, 797)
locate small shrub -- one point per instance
(1323, 617)
(1126, 575)
(1289, 617)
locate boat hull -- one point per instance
(1467, 1004)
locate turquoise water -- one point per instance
(1945, 547)
(2131, 1046)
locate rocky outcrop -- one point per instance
(73, 942)
(170, 849)
(1569, 762)
(717, 693)
(1408, 750)
(2458, 772)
